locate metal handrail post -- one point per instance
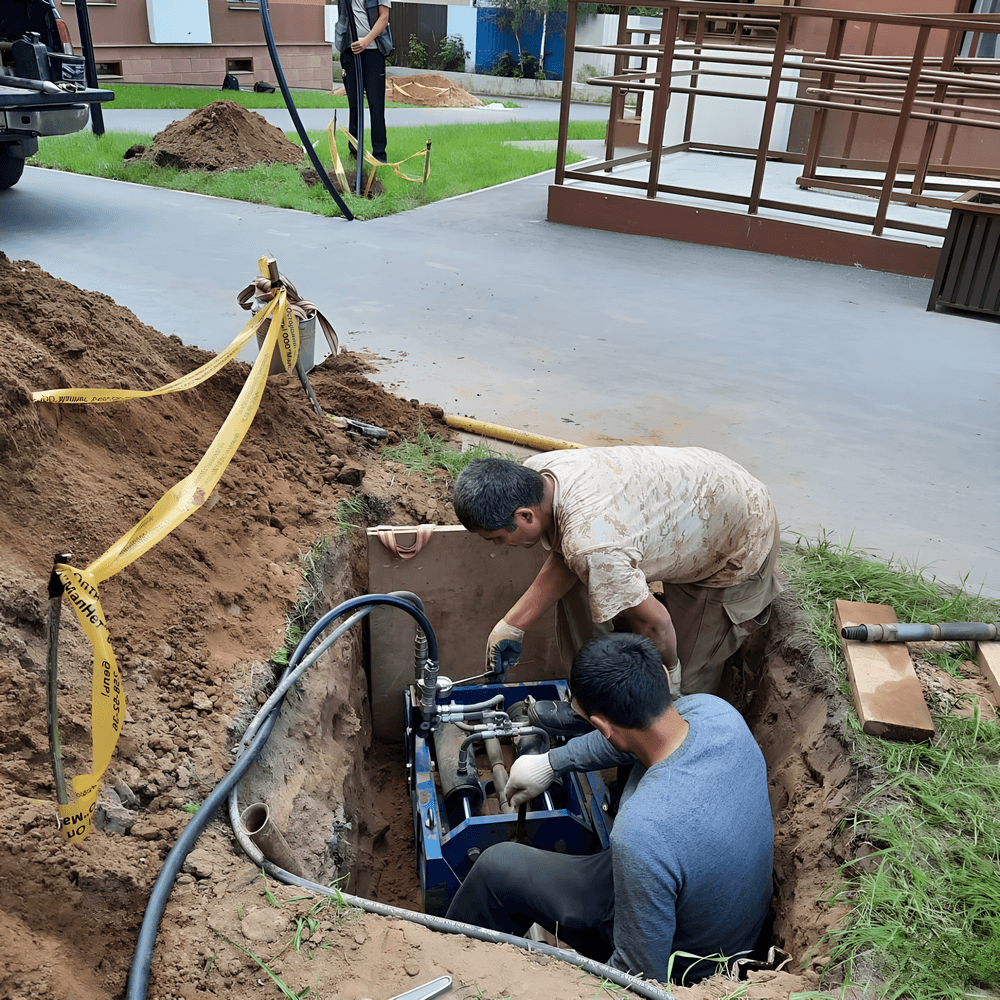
(940, 92)
(567, 92)
(853, 124)
(699, 37)
(833, 46)
(617, 98)
(780, 44)
(904, 120)
(661, 99)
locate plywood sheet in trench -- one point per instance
(887, 693)
(467, 585)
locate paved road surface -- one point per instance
(866, 415)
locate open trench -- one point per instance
(340, 796)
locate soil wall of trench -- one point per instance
(340, 796)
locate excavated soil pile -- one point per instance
(429, 90)
(223, 135)
(194, 623)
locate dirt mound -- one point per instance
(186, 619)
(429, 90)
(223, 135)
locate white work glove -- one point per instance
(503, 648)
(529, 776)
(674, 676)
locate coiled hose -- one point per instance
(250, 747)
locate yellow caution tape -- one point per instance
(189, 381)
(371, 161)
(108, 701)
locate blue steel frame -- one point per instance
(581, 826)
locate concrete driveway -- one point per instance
(866, 415)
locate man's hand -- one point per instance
(674, 677)
(503, 648)
(529, 776)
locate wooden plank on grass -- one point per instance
(887, 693)
(988, 658)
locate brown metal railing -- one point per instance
(917, 95)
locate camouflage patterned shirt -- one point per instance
(624, 516)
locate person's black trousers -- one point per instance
(373, 84)
(512, 886)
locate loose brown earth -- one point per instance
(222, 135)
(427, 90)
(194, 623)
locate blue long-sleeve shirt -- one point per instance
(691, 846)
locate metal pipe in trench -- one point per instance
(494, 754)
(256, 820)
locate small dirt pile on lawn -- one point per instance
(429, 90)
(223, 135)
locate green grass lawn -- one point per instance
(133, 95)
(923, 919)
(463, 158)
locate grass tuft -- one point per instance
(429, 452)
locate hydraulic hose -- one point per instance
(251, 745)
(265, 20)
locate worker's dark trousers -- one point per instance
(513, 886)
(373, 84)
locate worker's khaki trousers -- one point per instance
(711, 622)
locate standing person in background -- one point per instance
(373, 44)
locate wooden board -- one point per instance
(467, 585)
(887, 693)
(988, 658)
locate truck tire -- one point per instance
(11, 168)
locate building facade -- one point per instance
(202, 41)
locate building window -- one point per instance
(109, 69)
(239, 65)
(987, 47)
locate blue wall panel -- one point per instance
(492, 43)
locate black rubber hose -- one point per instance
(89, 65)
(138, 980)
(265, 20)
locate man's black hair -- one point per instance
(489, 490)
(621, 676)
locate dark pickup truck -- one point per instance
(42, 83)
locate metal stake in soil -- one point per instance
(52, 676)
